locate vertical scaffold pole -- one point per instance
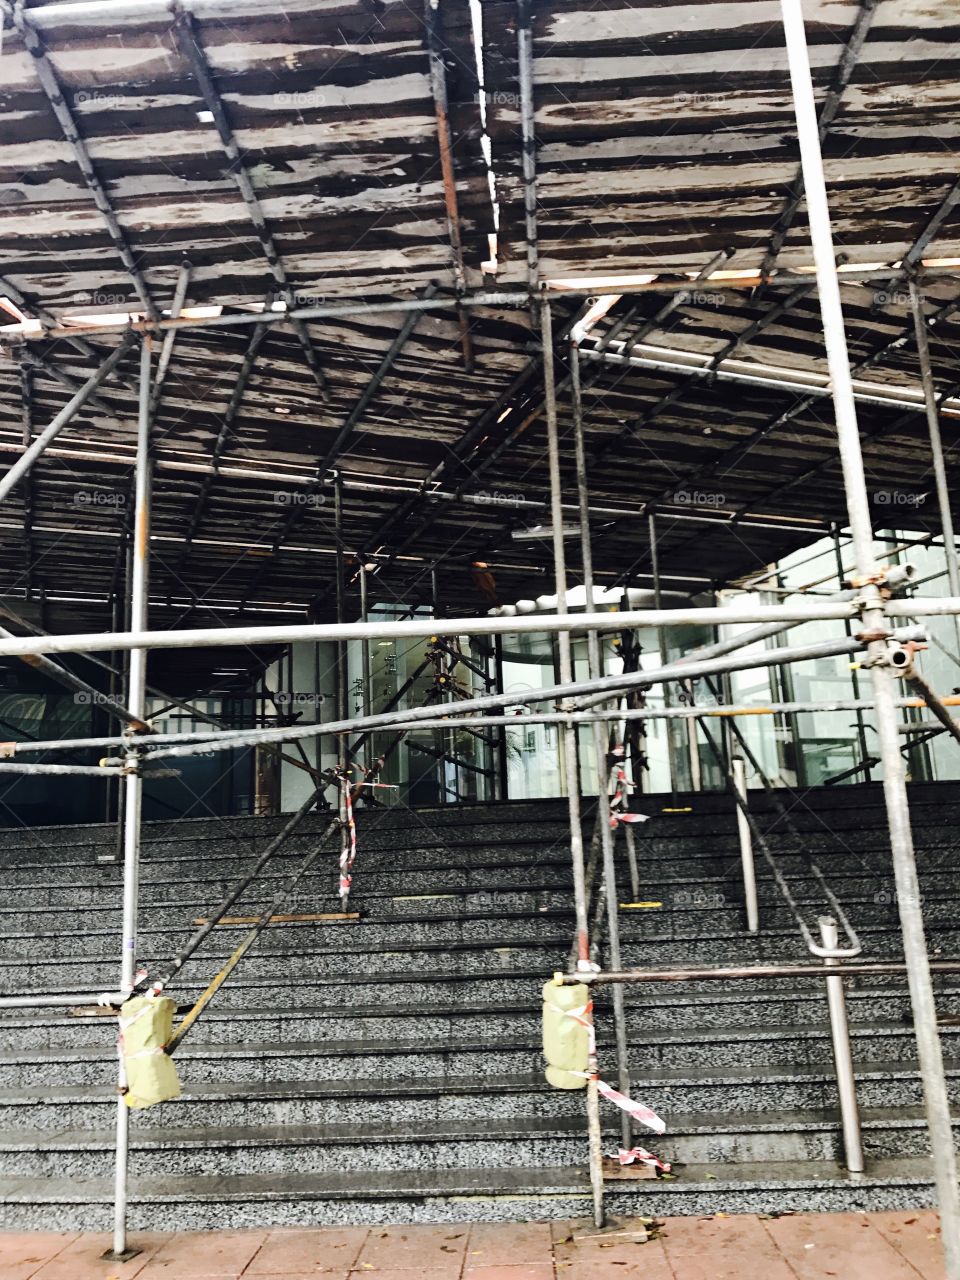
(595, 664)
(854, 678)
(929, 1050)
(739, 771)
(133, 782)
(670, 728)
(341, 645)
(367, 701)
(568, 739)
(936, 448)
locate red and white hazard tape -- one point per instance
(616, 819)
(635, 1109)
(618, 814)
(348, 847)
(641, 1113)
(640, 1156)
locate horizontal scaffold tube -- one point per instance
(87, 770)
(853, 969)
(450, 719)
(35, 1000)
(423, 628)
(193, 744)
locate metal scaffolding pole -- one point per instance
(936, 447)
(341, 644)
(366, 700)
(568, 739)
(133, 786)
(894, 783)
(595, 668)
(66, 415)
(719, 711)
(865, 757)
(421, 628)
(192, 743)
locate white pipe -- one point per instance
(101, 642)
(723, 373)
(746, 848)
(929, 1051)
(133, 786)
(63, 418)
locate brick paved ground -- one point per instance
(885, 1246)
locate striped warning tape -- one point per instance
(348, 844)
(584, 1016)
(638, 1155)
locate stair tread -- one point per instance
(414, 1184)
(456, 1040)
(492, 1128)
(487, 1085)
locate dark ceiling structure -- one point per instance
(172, 159)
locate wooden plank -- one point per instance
(313, 917)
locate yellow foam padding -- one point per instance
(565, 1041)
(146, 1025)
(687, 810)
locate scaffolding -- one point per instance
(881, 632)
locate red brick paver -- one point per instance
(883, 1246)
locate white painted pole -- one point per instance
(929, 1051)
(136, 699)
(746, 848)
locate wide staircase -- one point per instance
(389, 1069)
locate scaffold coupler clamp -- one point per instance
(901, 657)
(890, 578)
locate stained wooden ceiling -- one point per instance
(664, 135)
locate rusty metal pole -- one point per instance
(568, 739)
(133, 783)
(595, 667)
(932, 407)
(929, 1051)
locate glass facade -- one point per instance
(809, 748)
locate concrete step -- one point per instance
(175, 849)
(376, 891)
(454, 1195)
(76, 958)
(533, 1142)
(378, 870)
(366, 1100)
(443, 1049)
(454, 816)
(511, 1012)
(392, 1070)
(700, 909)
